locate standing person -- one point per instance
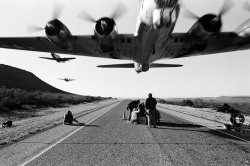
(131, 106)
(150, 105)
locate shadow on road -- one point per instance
(184, 125)
(76, 124)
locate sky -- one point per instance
(224, 74)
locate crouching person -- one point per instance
(68, 118)
(134, 115)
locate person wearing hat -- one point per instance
(150, 105)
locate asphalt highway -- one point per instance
(109, 140)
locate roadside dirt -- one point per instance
(44, 119)
(205, 113)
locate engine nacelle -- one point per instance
(106, 33)
(59, 34)
(206, 28)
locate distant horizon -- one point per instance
(146, 94)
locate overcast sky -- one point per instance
(202, 76)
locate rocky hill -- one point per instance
(12, 77)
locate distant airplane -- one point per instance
(57, 58)
(66, 79)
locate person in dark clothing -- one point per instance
(68, 118)
(142, 112)
(131, 106)
(237, 119)
(150, 105)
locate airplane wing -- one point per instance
(82, 45)
(47, 58)
(180, 46)
(65, 59)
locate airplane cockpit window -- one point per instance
(166, 3)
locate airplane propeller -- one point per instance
(85, 16)
(120, 10)
(189, 14)
(226, 6)
(58, 8)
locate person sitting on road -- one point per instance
(134, 115)
(68, 118)
(131, 106)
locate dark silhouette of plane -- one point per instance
(66, 79)
(57, 58)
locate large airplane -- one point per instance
(153, 39)
(57, 58)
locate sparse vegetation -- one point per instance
(238, 103)
(13, 99)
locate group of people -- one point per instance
(136, 108)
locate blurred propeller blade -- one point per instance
(32, 28)
(119, 11)
(85, 16)
(188, 14)
(226, 6)
(58, 8)
(246, 6)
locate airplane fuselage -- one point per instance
(155, 23)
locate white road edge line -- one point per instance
(218, 131)
(210, 127)
(45, 150)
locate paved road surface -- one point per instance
(108, 140)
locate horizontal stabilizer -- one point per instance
(59, 59)
(125, 65)
(158, 65)
(131, 65)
